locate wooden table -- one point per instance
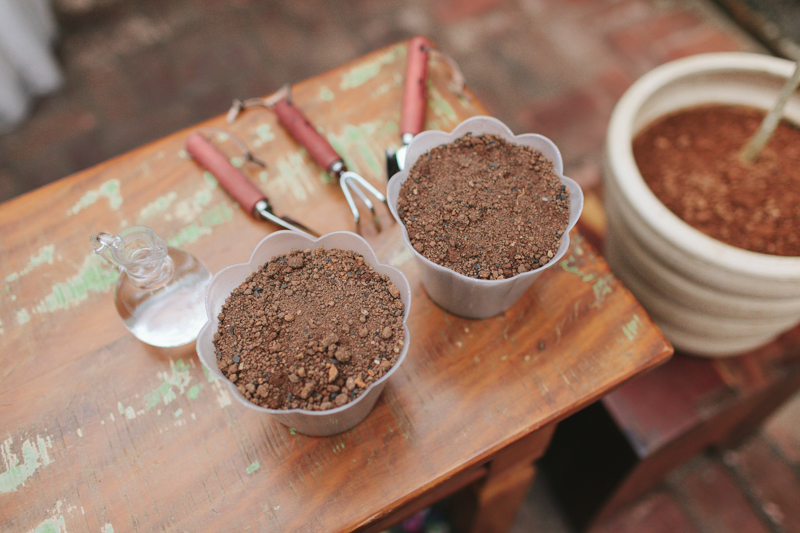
(100, 432)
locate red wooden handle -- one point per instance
(302, 130)
(231, 178)
(412, 119)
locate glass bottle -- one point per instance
(160, 292)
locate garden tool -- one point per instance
(412, 117)
(233, 180)
(318, 147)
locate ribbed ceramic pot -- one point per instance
(709, 298)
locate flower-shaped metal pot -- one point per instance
(313, 423)
(457, 293)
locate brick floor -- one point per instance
(773, 486)
(657, 512)
(138, 70)
(714, 498)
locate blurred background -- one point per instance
(126, 72)
(82, 81)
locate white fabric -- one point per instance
(28, 67)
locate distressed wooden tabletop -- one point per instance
(100, 432)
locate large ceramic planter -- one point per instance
(709, 298)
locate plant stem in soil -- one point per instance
(753, 148)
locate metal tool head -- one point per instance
(350, 182)
(395, 160)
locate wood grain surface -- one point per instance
(100, 432)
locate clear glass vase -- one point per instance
(160, 291)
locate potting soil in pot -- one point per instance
(310, 330)
(484, 207)
(690, 161)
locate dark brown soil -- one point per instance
(689, 160)
(484, 207)
(310, 330)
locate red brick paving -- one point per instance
(782, 431)
(775, 487)
(714, 499)
(137, 71)
(658, 512)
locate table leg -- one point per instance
(490, 505)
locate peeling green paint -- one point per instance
(34, 455)
(221, 136)
(600, 288)
(223, 397)
(211, 181)
(357, 139)
(23, 317)
(325, 94)
(364, 72)
(264, 133)
(45, 255)
(401, 257)
(188, 234)
(569, 265)
(390, 128)
(109, 189)
(441, 107)
(219, 214)
(129, 412)
(211, 378)
(396, 81)
(173, 383)
(253, 467)
(293, 177)
(631, 329)
(237, 161)
(53, 525)
(194, 391)
(202, 198)
(178, 412)
(93, 276)
(158, 206)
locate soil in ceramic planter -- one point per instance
(310, 330)
(484, 207)
(690, 161)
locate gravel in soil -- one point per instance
(310, 330)
(690, 161)
(484, 207)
